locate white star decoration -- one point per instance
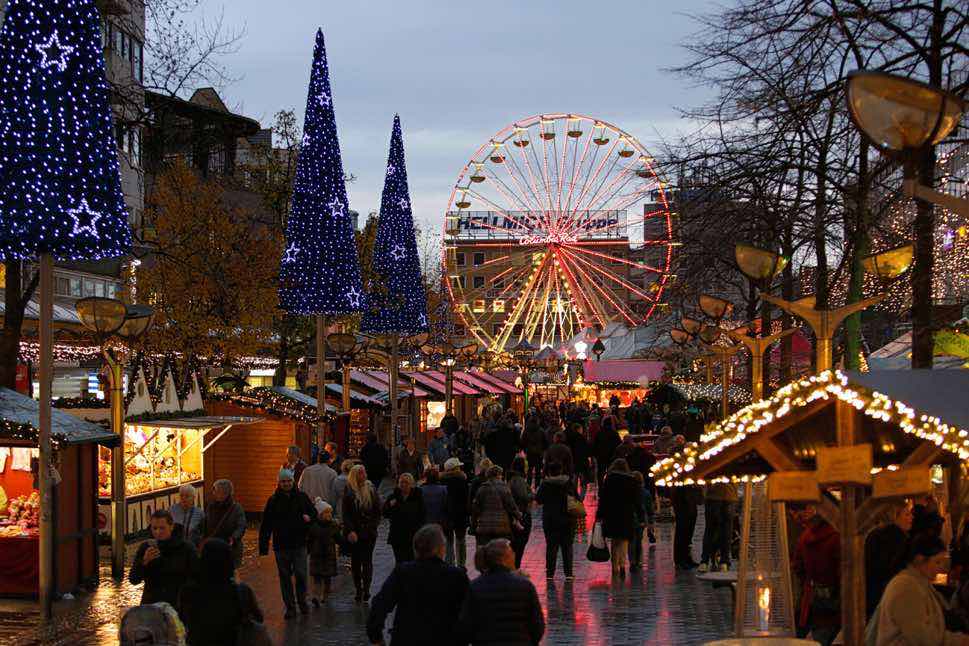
(324, 99)
(391, 169)
(404, 204)
(306, 140)
(398, 252)
(337, 210)
(89, 228)
(290, 255)
(422, 319)
(353, 296)
(53, 53)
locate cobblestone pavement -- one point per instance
(654, 605)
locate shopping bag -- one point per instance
(598, 552)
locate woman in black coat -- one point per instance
(620, 498)
(604, 445)
(405, 509)
(214, 606)
(553, 495)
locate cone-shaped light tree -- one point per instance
(60, 185)
(396, 302)
(319, 271)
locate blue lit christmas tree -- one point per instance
(60, 185)
(398, 303)
(320, 273)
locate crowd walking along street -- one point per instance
(390, 323)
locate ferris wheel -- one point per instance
(558, 223)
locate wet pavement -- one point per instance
(654, 605)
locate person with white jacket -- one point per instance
(910, 612)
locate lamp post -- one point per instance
(106, 317)
(758, 348)
(524, 355)
(905, 119)
(598, 348)
(824, 323)
(346, 347)
(709, 335)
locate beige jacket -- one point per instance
(910, 614)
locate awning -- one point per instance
(459, 387)
(480, 384)
(507, 385)
(302, 398)
(620, 370)
(379, 381)
(355, 397)
(65, 428)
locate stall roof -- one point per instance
(622, 370)
(355, 396)
(302, 398)
(379, 381)
(65, 428)
(460, 387)
(897, 355)
(480, 384)
(197, 423)
(506, 386)
(920, 405)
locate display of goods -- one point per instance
(24, 511)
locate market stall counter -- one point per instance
(160, 456)
(75, 511)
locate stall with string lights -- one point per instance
(847, 441)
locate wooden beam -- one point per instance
(924, 454)
(731, 453)
(852, 568)
(869, 512)
(829, 510)
(776, 455)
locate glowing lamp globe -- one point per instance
(898, 113)
(341, 343)
(137, 321)
(103, 316)
(692, 326)
(679, 336)
(889, 264)
(714, 307)
(759, 264)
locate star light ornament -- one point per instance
(58, 60)
(60, 182)
(400, 305)
(322, 274)
(92, 219)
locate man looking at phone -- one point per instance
(164, 562)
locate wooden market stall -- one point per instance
(251, 456)
(75, 506)
(412, 401)
(849, 442)
(622, 378)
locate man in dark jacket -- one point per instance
(534, 442)
(456, 528)
(501, 607)
(165, 562)
(502, 445)
(286, 519)
(427, 594)
(577, 443)
(449, 424)
(375, 459)
(604, 445)
(560, 453)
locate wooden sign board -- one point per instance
(904, 482)
(793, 486)
(845, 465)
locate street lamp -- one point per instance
(714, 307)
(680, 337)
(346, 347)
(890, 264)
(692, 326)
(758, 347)
(107, 317)
(759, 265)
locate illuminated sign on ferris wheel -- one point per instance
(530, 225)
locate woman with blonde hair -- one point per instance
(361, 516)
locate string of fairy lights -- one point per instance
(794, 396)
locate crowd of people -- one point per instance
(484, 479)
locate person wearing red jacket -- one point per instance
(817, 563)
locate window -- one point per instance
(105, 34)
(516, 331)
(459, 280)
(90, 287)
(479, 305)
(134, 147)
(479, 258)
(137, 60)
(478, 282)
(459, 330)
(496, 329)
(498, 306)
(75, 286)
(119, 37)
(459, 259)
(63, 286)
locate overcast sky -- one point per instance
(457, 72)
